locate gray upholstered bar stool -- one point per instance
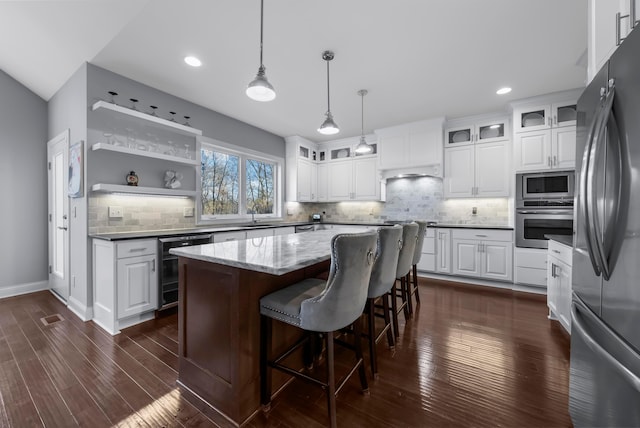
(324, 307)
(409, 238)
(417, 253)
(383, 276)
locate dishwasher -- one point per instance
(168, 278)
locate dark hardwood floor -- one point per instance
(471, 356)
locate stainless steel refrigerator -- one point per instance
(604, 387)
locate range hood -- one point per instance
(413, 171)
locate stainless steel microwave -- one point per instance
(548, 186)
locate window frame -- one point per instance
(244, 154)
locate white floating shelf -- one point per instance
(121, 149)
(158, 191)
(174, 126)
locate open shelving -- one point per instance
(156, 191)
(154, 155)
(155, 120)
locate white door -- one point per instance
(304, 180)
(366, 185)
(497, 260)
(466, 258)
(323, 183)
(58, 167)
(492, 169)
(443, 251)
(532, 151)
(564, 147)
(137, 285)
(340, 180)
(459, 172)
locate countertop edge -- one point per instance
(562, 239)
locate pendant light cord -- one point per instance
(328, 87)
(261, 29)
(362, 115)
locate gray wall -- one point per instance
(23, 174)
(67, 110)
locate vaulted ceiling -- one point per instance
(418, 59)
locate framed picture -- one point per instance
(75, 169)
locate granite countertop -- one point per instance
(276, 255)
(563, 239)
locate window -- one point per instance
(237, 184)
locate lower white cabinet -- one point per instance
(443, 250)
(484, 254)
(531, 267)
(125, 282)
(559, 283)
(427, 260)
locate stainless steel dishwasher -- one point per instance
(168, 278)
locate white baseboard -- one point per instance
(84, 312)
(486, 283)
(30, 287)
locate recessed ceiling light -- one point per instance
(503, 91)
(192, 61)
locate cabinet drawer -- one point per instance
(531, 258)
(531, 276)
(137, 248)
(483, 234)
(561, 251)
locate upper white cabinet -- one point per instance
(545, 133)
(478, 168)
(609, 22)
(483, 131)
(353, 179)
(416, 144)
(301, 170)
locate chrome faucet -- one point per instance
(253, 218)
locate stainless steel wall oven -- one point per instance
(168, 278)
(544, 206)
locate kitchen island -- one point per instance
(218, 313)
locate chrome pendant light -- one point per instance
(363, 147)
(328, 127)
(260, 89)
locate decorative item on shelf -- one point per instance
(133, 103)
(75, 170)
(171, 150)
(328, 127)
(173, 116)
(172, 179)
(186, 120)
(132, 179)
(187, 152)
(113, 97)
(363, 147)
(153, 111)
(108, 137)
(131, 138)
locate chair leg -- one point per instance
(416, 290)
(372, 337)
(265, 357)
(394, 311)
(405, 301)
(387, 320)
(357, 330)
(331, 381)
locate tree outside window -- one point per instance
(220, 177)
(260, 190)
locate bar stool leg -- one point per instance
(406, 301)
(357, 330)
(387, 321)
(394, 311)
(416, 290)
(331, 381)
(372, 338)
(265, 357)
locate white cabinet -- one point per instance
(545, 136)
(605, 29)
(559, 283)
(427, 262)
(478, 170)
(322, 182)
(483, 254)
(480, 131)
(531, 267)
(417, 144)
(443, 250)
(354, 179)
(125, 282)
(301, 169)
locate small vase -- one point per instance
(132, 179)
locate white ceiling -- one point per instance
(418, 58)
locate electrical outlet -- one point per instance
(474, 210)
(187, 211)
(115, 212)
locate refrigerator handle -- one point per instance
(584, 182)
(578, 327)
(592, 195)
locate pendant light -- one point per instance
(363, 147)
(260, 89)
(328, 127)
